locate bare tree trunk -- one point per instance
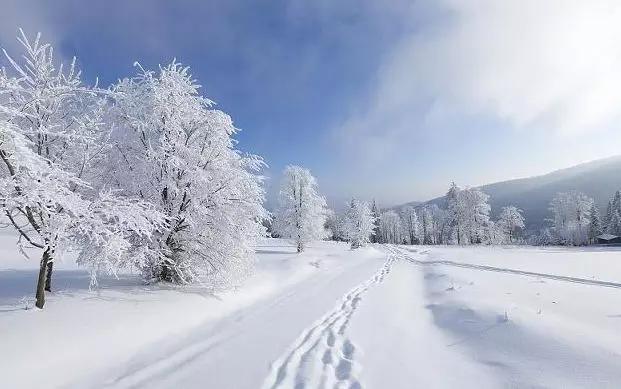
(43, 268)
(48, 276)
(165, 274)
(300, 247)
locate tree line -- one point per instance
(302, 215)
(576, 220)
(464, 219)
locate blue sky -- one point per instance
(388, 100)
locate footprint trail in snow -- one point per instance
(323, 356)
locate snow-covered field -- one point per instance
(377, 317)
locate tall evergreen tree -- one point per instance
(454, 209)
(607, 216)
(595, 223)
(612, 220)
(375, 236)
(615, 223)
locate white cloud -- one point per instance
(553, 65)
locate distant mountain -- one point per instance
(598, 179)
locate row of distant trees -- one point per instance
(576, 220)
(302, 215)
(464, 220)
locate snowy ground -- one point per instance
(380, 317)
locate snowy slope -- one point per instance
(379, 317)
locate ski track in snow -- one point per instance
(323, 356)
(576, 280)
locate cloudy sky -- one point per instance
(386, 99)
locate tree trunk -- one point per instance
(43, 267)
(165, 274)
(48, 276)
(300, 247)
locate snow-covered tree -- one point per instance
(543, 238)
(174, 150)
(359, 223)
(468, 211)
(494, 233)
(442, 226)
(375, 237)
(607, 216)
(51, 141)
(435, 225)
(614, 226)
(612, 220)
(302, 212)
(511, 221)
(391, 229)
(595, 223)
(571, 217)
(411, 224)
(335, 225)
(426, 223)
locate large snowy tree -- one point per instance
(359, 223)
(174, 150)
(51, 143)
(571, 217)
(301, 213)
(468, 211)
(511, 221)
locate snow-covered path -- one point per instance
(236, 351)
(323, 356)
(380, 317)
(441, 323)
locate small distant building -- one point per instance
(608, 239)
